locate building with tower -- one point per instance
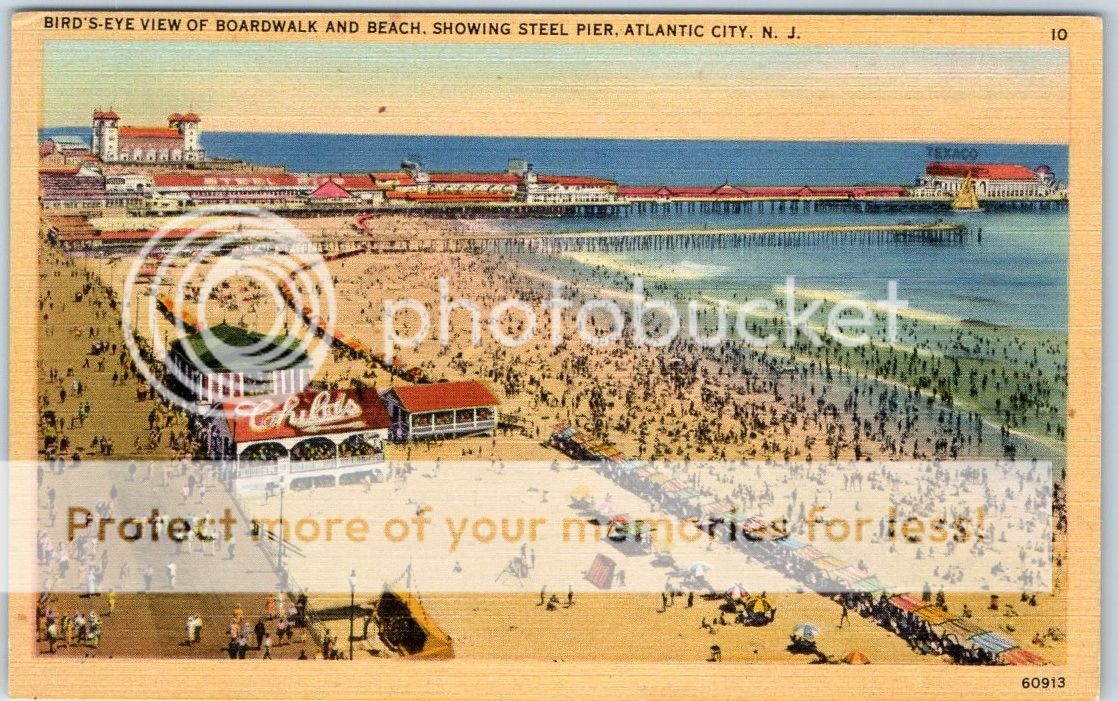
(178, 142)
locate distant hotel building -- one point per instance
(991, 180)
(178, 142)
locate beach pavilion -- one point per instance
(441, 410)
(226, 362)
(318, 437)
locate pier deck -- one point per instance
(652, 239)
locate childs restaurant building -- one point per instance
(318, 437)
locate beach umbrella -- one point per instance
(855, 657)
(605, 507)
(699, 568)
(736, 591)
(806, 631)
(758, 604)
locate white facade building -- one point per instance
(991, 180)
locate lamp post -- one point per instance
(352, 604)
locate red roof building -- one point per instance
(575, 181)
(981, 171)
(330, 190)
(990, 180)
(742, 192)
(442, 409)
(486, 178)
(310, 438)
(392, 180)
(297, 416)
(179, 141)
(149, 133)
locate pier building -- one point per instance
(990, 180)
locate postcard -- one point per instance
(554, 356)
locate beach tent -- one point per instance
(719, 508)
(829, 563)
(687, 494)
(1021, 656)
(673, 486)
(601, 572)
(934, 615)
(848, 576)
(992, 642)
(756, 529)
(956, 629)
(855, 657)
(870, 584)
(908, 602)
(809, 553)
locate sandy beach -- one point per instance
(680, 402)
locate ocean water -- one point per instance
(629, 161)
(1017, 275)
